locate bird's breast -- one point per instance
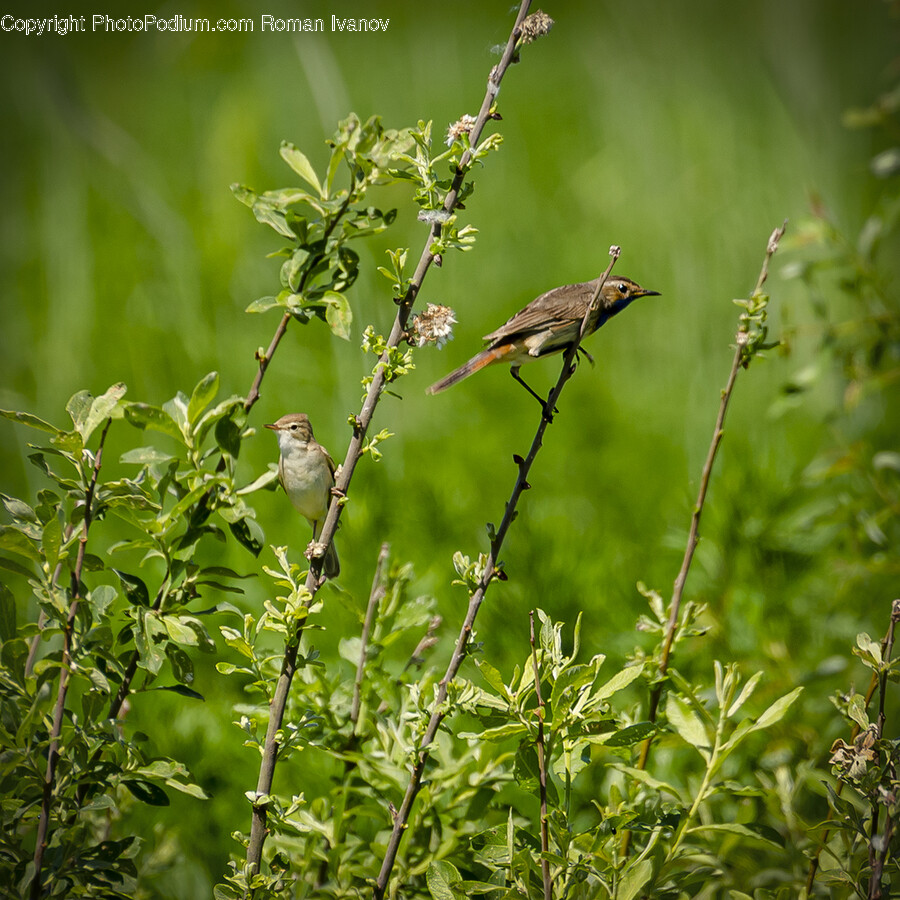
(307, 481)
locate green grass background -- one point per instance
(684, 132)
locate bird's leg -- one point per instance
(548, 413)
(587, 355)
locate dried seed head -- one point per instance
(457, 129)
(433, 326)
(534, 26)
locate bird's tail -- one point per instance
(485, 358)
(331, 566)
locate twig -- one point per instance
(375, 596)
(694, 534)
(354, 453)
(542, 765)
(488, 575)
(64, 673)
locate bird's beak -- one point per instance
(272, 426)
(644, 294)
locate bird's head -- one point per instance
(619, 292)
(294, 426)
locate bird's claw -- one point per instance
(582, 351)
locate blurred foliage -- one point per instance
(683, 136)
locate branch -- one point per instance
(739, 360)
(542, 766)
(375, 597)
(488, 575)
(361, 424)
(64, 673)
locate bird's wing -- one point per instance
(327, 456)
(557, 308)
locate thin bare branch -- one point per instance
(694, 533)
(375, 597)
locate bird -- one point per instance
(548, 325)
(306, 472)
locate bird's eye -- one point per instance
(623, 287)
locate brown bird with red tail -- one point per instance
(548, 325)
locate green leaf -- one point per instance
(101, 597)
(492, 677)
(142, 415)
(636, 876)
(757, 833)
(568, 687)
(135, 589)
(262, 305)
(12, 566)
(268, 479)
(102, 408)
(444, 881)
(148, 638)
(7, 614)
(182, 665)
(869, 650)
(185, 503)
(618, 682)
(745, 694)
(244, 194)
(147, 792)
(856, 709)
(202, 396)
(13, 541)
(777, 710)
(249, 534)
(500, 733)
(228, 436)
(631, 734)
(179, 631)
(145, 456)
(18, 509)
(646, 778)
(24, 418)
(297, 160)
(237, 641)
(274, 218)
(688, 725)
(338, 314)
(78, 408)
(51, 540)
